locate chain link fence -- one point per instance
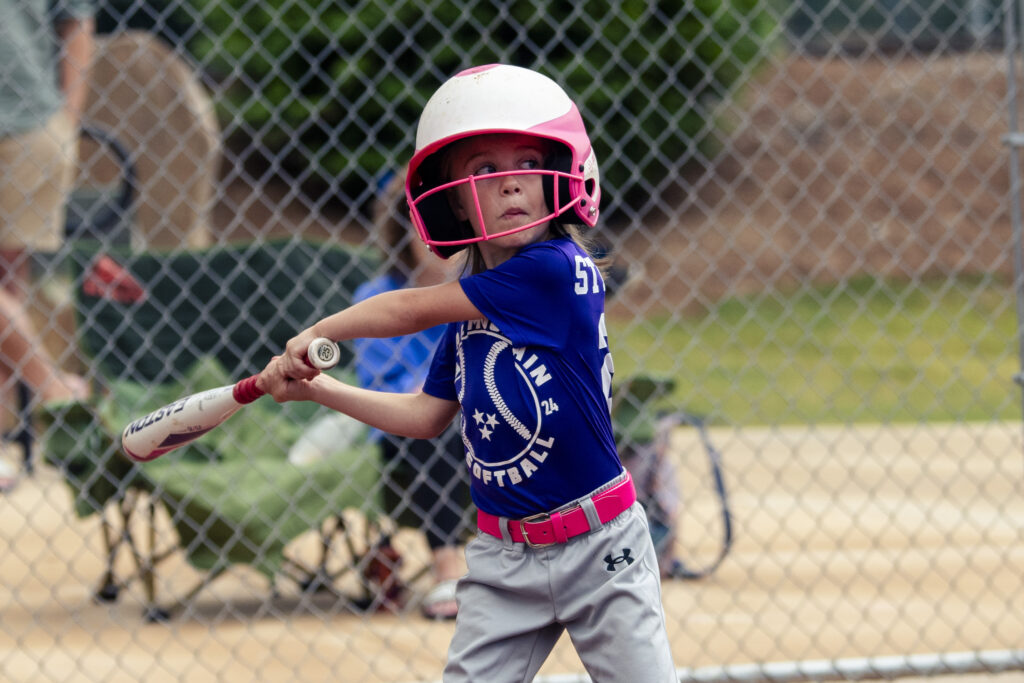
(812, 214)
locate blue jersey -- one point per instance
(534, 381)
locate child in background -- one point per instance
(504, 169)
(425, 484)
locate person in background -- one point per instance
(45, 54)
(425, 483)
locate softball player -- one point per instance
(504, 169)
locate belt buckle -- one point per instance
(539, 517)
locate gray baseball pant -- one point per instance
(603, 587)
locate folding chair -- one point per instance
(232, 497)
(645, 421)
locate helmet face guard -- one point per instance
(499, 99)
(556, 191)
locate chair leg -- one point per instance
(159, 614)
(144, 564)
(108, 590)
(23, 434)
(153, 613)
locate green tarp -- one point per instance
(238, 303)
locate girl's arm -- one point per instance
(418, 415)
(390, 314)
(398, 312)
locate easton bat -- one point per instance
(187, 419)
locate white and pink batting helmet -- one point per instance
(499, 98)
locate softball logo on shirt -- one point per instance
(503, 413)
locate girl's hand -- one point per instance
(283, 388)
(295, 362)
(285, 376)
(289, 389)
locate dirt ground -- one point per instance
(850, 542)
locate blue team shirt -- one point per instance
(534, 381)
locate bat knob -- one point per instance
(323, 353)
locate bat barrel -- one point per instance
(184, 421)
(178, 423)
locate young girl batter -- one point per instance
(503, 166)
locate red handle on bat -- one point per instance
(246, 390)
(323, 350)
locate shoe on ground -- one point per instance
(9, 476)
(439, 604)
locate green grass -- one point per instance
(866, 350)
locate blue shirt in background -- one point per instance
(397, 364)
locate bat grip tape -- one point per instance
(246, 390)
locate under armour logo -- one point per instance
(624, 557)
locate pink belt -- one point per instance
(549, 528)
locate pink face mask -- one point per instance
(552, 179)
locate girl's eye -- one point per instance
(485, 169)
(529, 164)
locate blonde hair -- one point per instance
(474, 259)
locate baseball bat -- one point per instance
(187, 419)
